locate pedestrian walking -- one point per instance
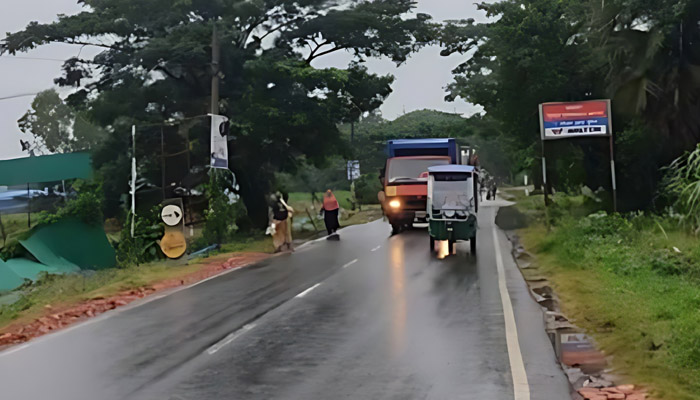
(330, 212)
(280, 223)
(482, 188)
(493, 189)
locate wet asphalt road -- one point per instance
(369, 317)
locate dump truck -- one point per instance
(405, 177)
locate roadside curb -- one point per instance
(586, 367)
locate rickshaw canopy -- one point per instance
(452, 168)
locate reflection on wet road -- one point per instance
(398, 297)
(369, 317)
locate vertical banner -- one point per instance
(219, 141)
(353, 170)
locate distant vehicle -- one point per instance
(16, 201)
(405, 177)
(452, 205)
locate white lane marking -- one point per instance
(350, 263)
(307, 291)
(521, 387)
(13, 350)
(376, 248)
(230, 338)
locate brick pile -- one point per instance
(621, 392)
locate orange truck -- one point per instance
(405, 177)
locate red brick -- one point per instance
(626, 389)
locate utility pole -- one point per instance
(352, 132)
(215, 58)
(133, 179)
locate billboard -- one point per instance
(219, 141)
(575, 119)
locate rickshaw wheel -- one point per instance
(432, 244)
(472, 245)
(452, 246)
(395, 229)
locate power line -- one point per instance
(31, 58)
(18, 95)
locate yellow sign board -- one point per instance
(173, 244)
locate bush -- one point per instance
(367, 187)
(225, 209)
(143, 247)
(681, 187)
(86, 206)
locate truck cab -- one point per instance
(405, 177)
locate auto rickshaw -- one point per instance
(452, 204)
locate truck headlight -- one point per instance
(395, 204)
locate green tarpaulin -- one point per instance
(8, 278)
(51, 168)
(64, 247)
(28, 269)
(71, 243)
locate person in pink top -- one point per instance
(330, 212)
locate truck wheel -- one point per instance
(452, 243)
(432, 244)
(395, 228)
(472, 245)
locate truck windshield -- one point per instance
(412, 168)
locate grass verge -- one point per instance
(631, 281)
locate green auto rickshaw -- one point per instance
(452, 204)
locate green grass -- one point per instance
(302, 201)
(621, 279)
(15, 224)
(257, 244)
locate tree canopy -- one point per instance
(155, 66)
(641, 54)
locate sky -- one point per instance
(419, 83)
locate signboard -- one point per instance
(353, 170)
(219, 141)
(173, 243)
(575, 119)
(171, 215)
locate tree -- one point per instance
(50, 122)
(155, 67)
(56, 127)
(532, 52)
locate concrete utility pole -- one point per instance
(352, 131)
(215, 58)
(133, 179)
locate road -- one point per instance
(372, 316)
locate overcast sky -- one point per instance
(419, 84)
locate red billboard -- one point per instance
(575, 119)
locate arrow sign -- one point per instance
(171, 215)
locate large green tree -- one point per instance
(155, 66)
(642, 54)
(56, 127)
(531, 52)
